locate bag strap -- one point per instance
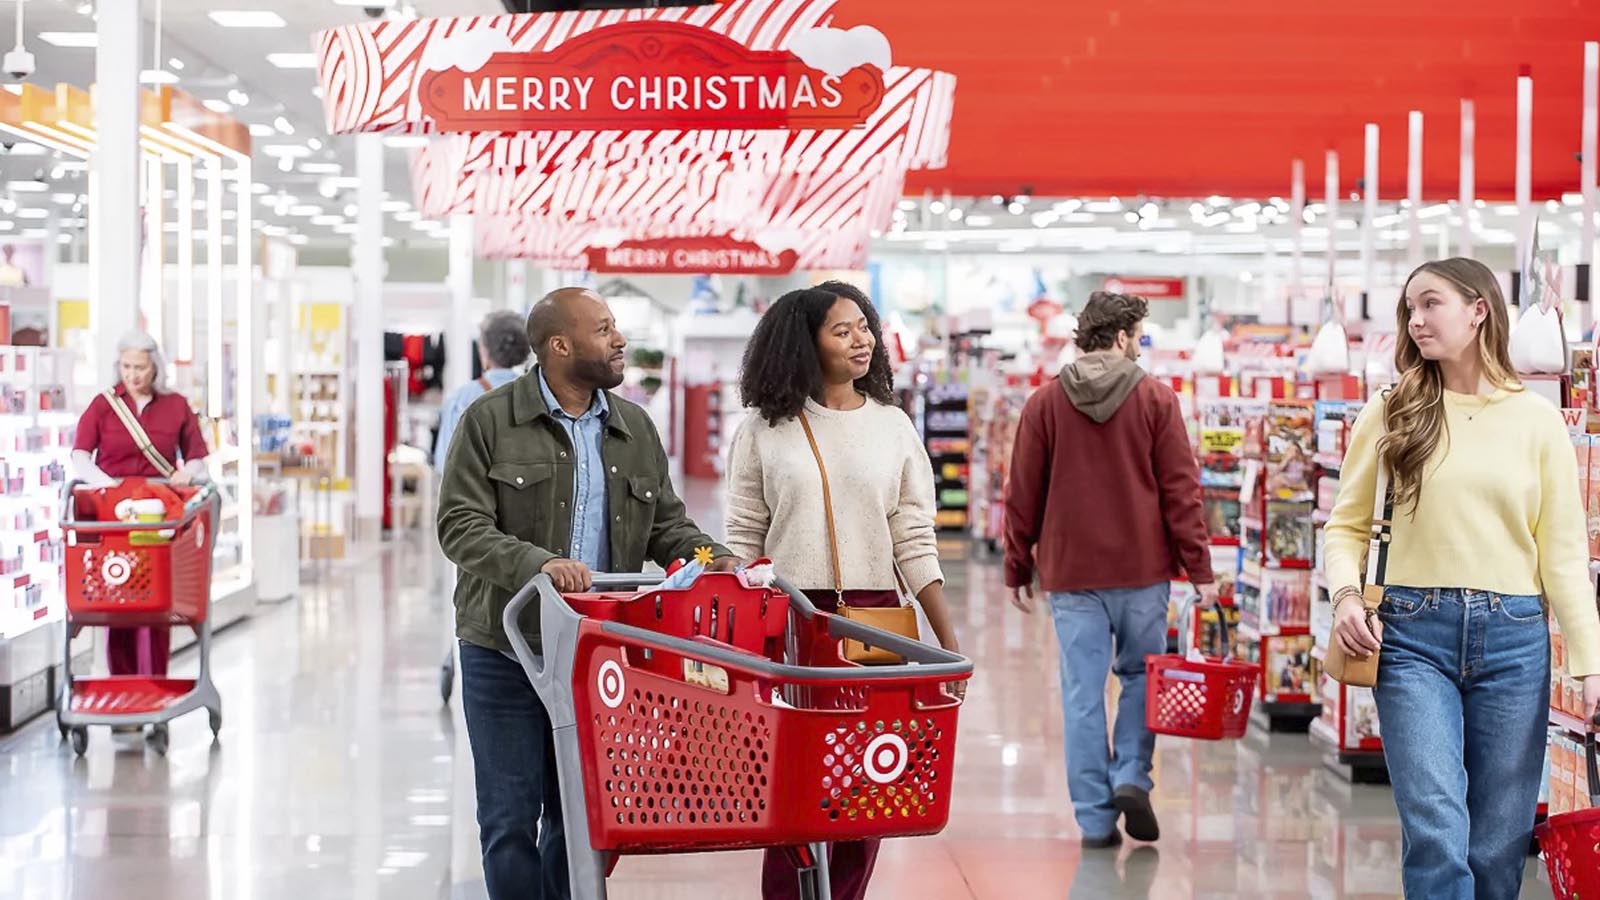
(483, 382)
(827, 506)
(137, 432)
(1382, 525)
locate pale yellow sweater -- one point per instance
(1499, 511)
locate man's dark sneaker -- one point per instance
(1139, 818)
(1114, 839)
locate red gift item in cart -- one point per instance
(1570, 842)
(722, 716)
(1206, 699)
(116, 575)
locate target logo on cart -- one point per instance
(1238, 700)
(612, 684)
(886, 758)
(116, 569)
(200, 533)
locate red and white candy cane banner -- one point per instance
(690, 256)
(567, 245)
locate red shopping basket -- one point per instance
(117, 575)
(1207, 700)
(1571, 841)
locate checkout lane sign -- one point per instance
(654, 76)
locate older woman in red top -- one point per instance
(108, 449)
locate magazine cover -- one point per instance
(1288, 665)
(1291, 533)
(1291, 441)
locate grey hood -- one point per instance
(1099, 383)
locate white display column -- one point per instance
(114, 207)
(517, 285)
(368, 324)
(458, 343)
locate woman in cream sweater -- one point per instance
(1487, 520)
(817, 359)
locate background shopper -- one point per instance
(551, 473)
(819, 354)
(1487, 519)
(106, 449)
(1104, 505)
(502, 351)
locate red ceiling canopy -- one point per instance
(1178, 98)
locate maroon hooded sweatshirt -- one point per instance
(1104, 490)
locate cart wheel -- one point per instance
(80, 740)
(157, 739)
(62, 727)
(216, 721)
(447, 680)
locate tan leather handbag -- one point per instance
(1362, 671)
(900, 619)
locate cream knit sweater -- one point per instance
(883, 503)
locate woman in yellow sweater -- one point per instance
(1487, 519)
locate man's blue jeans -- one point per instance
(1088, 623)
(1463, 699)
(514, 762)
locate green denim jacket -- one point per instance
(505, 503)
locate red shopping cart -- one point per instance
(722, 717)
(1205, 699)
(1571, 841)
(131, 574)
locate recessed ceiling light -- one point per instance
(327, 220)
(283, 125)
(158, 76)
(299, 240)
(29, 185)
(305, 209)
(410, 215)
(392, 206)
(259, 130)
(323, 168)
(70, 38)
(259, 188)
(286, 150)
(176, 64)
(293, 60)
(218, 106)
(33, 213)
(238, 97)
(247, 18)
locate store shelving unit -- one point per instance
(946, 426)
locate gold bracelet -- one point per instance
(1344, 592)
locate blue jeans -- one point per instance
(1087, 625)
(514, 764)
(1463, 699)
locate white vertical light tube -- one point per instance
(114, 204)
(368, 325)
(1330, 184)
(152, 304)
(246, 384)
(1524, 166)
(1297, 224)
(185, 346)
(216, 374)
(1414, 189)
(517, 285)
(1469, 175)
(1591, 137)
(1369, 211)
(458, 342)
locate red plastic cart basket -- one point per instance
(1571, 841)
(132, 574)
(1206, 700)
(722, 717)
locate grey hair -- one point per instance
(139, 340)
(504, 339)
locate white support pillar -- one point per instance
(184, 351)
(1369, 214)
(1330, 186)
(1591, 136)
(1297, 224)
(1469, 176)
(249, 380)
(152, 293)
(1525, 212)
(458, 342)
(1414, 191)
(114, 208)
(368, 325)
(517, 298)
(216, 372)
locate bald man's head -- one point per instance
(574, 335)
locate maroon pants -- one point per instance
(849, 863)
(139, 651)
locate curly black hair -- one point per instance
(1107, 315)
(781, 371)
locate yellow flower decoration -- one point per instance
(702, 555)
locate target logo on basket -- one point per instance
(612, 684)
(886, 759)
(116, 569)
(1238, 700)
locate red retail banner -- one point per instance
(1148, 288)
(674, 256)
(649, 75)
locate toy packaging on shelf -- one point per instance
(37, 431)
(945, 427)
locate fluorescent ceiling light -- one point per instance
(247, 18)
(327, 220)
(218, 106)
(299, 240)
(70, 38)
(259, 130)
(158, 76)
(64, 198)
(405, 141)
(293, 60)
(33, 213)
(323, 168)
(305, 209)
(407, 216)
(176, 64)
(286, 150)
(259, 188)
(394, 206)
(29, 186)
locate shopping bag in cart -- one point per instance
(1571, 841)
(1200, 697)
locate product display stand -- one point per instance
(945, 427)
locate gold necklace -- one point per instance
(1485, 405)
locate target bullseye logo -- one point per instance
(1238, 700)
(612, 684)
(886, 758)
(200, 533)
(116, 569)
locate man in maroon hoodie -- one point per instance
(1104, 507)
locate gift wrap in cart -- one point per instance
(723, 716)
(1570, 842)
(138, 554)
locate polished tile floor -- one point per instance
(340, 776)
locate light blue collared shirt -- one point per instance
(591, 529)
(457, 405)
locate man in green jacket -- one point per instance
(551, 473)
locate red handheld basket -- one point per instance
(1570, 842)
(1208, 700)
(121, 574)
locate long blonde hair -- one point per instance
(1414, 415)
